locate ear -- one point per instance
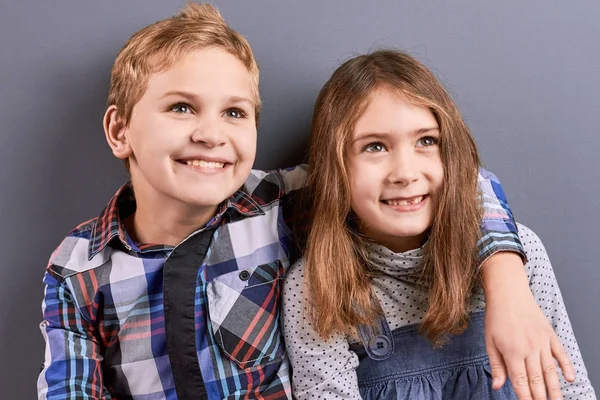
(115, 131)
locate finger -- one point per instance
(496, 364)
(563, 359)
(535, 375)
(518, 377)
(551, 376)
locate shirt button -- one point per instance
(244, 275)
(380, 345)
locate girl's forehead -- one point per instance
(390, 111)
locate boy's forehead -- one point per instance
(204, 72)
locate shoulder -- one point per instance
(289, 179)
(264, 186)
(71, 255)
(294, 177)
(296, 272)
(532, 244)
(293, 286)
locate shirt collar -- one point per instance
(109, 224)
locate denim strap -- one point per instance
(377, 340)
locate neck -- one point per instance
(397, 244)
(166, 222)
(404, 244)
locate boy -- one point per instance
(173, 291)
(121, 289)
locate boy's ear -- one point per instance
(115, 131)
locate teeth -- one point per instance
(405, 202)
(205, 164)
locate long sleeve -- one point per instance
(72, 367)
(546, 292)
(321, 369)
(498, 227)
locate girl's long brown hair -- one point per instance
(338, 276)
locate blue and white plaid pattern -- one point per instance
(104, 321)
(498, 228)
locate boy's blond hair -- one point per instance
(156, 47)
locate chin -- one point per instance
(207, 203)
(407, 232)
(194, 200)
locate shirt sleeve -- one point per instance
(294, 178)
(320, 369)
(498, 228)
(295, 206)
(546, 292)
(72, 368)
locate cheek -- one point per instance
(244, 141)
(139, 146)
(363, 188)
(249, 152)
(154, 135)
(434, 173)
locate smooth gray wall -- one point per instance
(526, 75)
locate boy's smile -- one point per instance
(203, 164)
(191, 140)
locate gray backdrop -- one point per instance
(525, 75)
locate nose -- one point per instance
(208, 132)
(404, 168)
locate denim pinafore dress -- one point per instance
(404, 365)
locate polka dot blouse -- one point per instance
(326, 369)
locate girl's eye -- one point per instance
(376, 147)
(428, 141)
(181, 108)
(235, 113)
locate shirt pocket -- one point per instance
(243, 308)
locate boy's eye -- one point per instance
(427, 141)
(182, 108)
(235, 113)
(376, 147)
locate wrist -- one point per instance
(502, 273)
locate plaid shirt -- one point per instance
(200, 320)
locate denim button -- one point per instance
(380, 345)
(244, 275)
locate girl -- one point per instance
(387, 302)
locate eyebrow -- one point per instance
(181, 93)
(380, 135)
(238, 99)
(191, 96)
